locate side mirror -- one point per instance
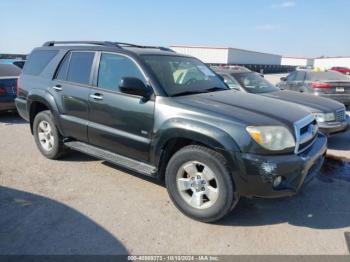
(283, 79)
(134, 86)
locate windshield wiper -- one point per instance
(213, 89)
(190, 92)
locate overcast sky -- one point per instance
(292, 27)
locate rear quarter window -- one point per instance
(38, 60)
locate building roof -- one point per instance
(219, 48)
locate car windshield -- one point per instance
(323, 76)
(253, 83)
(180, 75)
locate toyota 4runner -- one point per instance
(167, 115)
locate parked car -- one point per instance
(340, 69)
(8, 82)
(18, 63)
(328, 84)
(232, 67)
(304, 68)
(330, 114)
(131, 105)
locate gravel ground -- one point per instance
(80, 205)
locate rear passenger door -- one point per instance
(119, 122)
(290, 83)
(71, 89)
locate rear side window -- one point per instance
(300, 76)
(38, 60)
(291, 77)
(79, 69)
(62, 71)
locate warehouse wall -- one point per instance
(294, 61)
(332, 61)
(206, 55)
(239, 56)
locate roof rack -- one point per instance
(53, 43)
(105, 43)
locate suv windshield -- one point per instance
(322, 76)
(254, 83)
(180, 75)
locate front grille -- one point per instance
(340, 115)
(307, 144)
(305, 133)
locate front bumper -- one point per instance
(257, 172)
(331, 128)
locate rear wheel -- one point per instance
(200, 184)
(46, 135)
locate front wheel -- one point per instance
(200, 184)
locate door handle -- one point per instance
(97, 96)
(57, 87)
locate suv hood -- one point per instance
(310, 102)
(249, 109)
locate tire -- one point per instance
(208, 195)
(44, 129)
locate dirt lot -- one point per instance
(80, 205)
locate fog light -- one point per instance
(277, 181)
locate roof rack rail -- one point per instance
(103, 43)
(106, 43)
(144, 46)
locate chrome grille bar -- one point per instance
(340, 115)
(308, 135)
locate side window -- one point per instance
(231, 83)
(113, 68)
(63, 69)
(300, 76)
(37, 61)
(79, 69)
(291, 77)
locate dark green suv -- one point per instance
(169, 116)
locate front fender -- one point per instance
(200, 132)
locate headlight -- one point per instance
(324, 117)
(272, 137)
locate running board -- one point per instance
(119, 160)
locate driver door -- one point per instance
(119, 122)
